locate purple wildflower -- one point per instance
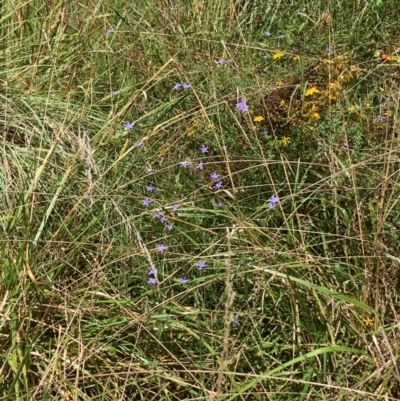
(152, 281)
(329, 49)
(129, 125)
(152, 271)
(161, 248)
(150, 188)
(200, 166)
(175, 207)
(146, 201)
(242, 106)
(109, 31)
(214, 176)
(204, 149)
(218, 204)
(281, 36)
(139, 144)
(273, 201)
(218, 185)
(201, 264)
(184, 164)
(177, 86)
(268, 33)
(185, 85)
(235, 321)
(148, 170)
(114, 93)
(169, 227)
(183, 280)
(381, 117)
(345, 144)
(221, 61)
(160, 217)
(265, 132)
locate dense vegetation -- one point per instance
(200, 200)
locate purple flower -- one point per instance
(139, 144)
(150, 188)
(160, 216)
(201, 264)
(204, 149)
(242, 106)
(221, 61)
(218, 185)
(185, 85)
(129, 125)
(268, 33)
(218, 204)
(273, 201)
(169, 227)
(235, 321)
(302, 15)
(381, 117)
(177, 86)
(175, 207)
(148, 170)
(281, 36)
(214, 176)
(345, 144)
(329, 49)
(265, 132)
(146, 201)
(183, 280)
(114, 93)
(161, 248)
(152, 271)
(200, 166)
(109, 31)
(184, 164)
(152, 281)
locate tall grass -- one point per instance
(265, 267)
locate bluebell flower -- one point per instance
(235, 321)
(184, 164)
(242, 106)
(148, 170)
(218, 185)
(185, 85)
(175, 207)
(281, 36)
(152, 271)
(152, 281)
(268, 33)
(114, 93)
(273, 201)
(200, 166)
(146, 201)
(265, 132)
(169, 227)
(381, 117)
(150, 188)
(109, 31)
(129, 125)
(221, 61)
(204, 149)
(177, 86)
(218, 204)
(214, 176)
(201, 264)
(183, 280)
(161, 248)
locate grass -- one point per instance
(279, 278)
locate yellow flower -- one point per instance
(285, 141)
(190, 131)
(282, 103)
(314, 116)
(352, 109)
(211, 126)
(311, 91)
(279, 83)
(296, 57)
(277, 55)
(355, 69)
(258, 119)
(368, 321)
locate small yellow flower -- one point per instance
(279, 83)
(211, 126)
(355, 69)
(282, 103)
(367, 106)
(190, 131)
(352, 109)
(285, 141)
(277, 55)
(315, 116)
(296, 57)
(311, 91)
(258, 119)
(368, 321)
